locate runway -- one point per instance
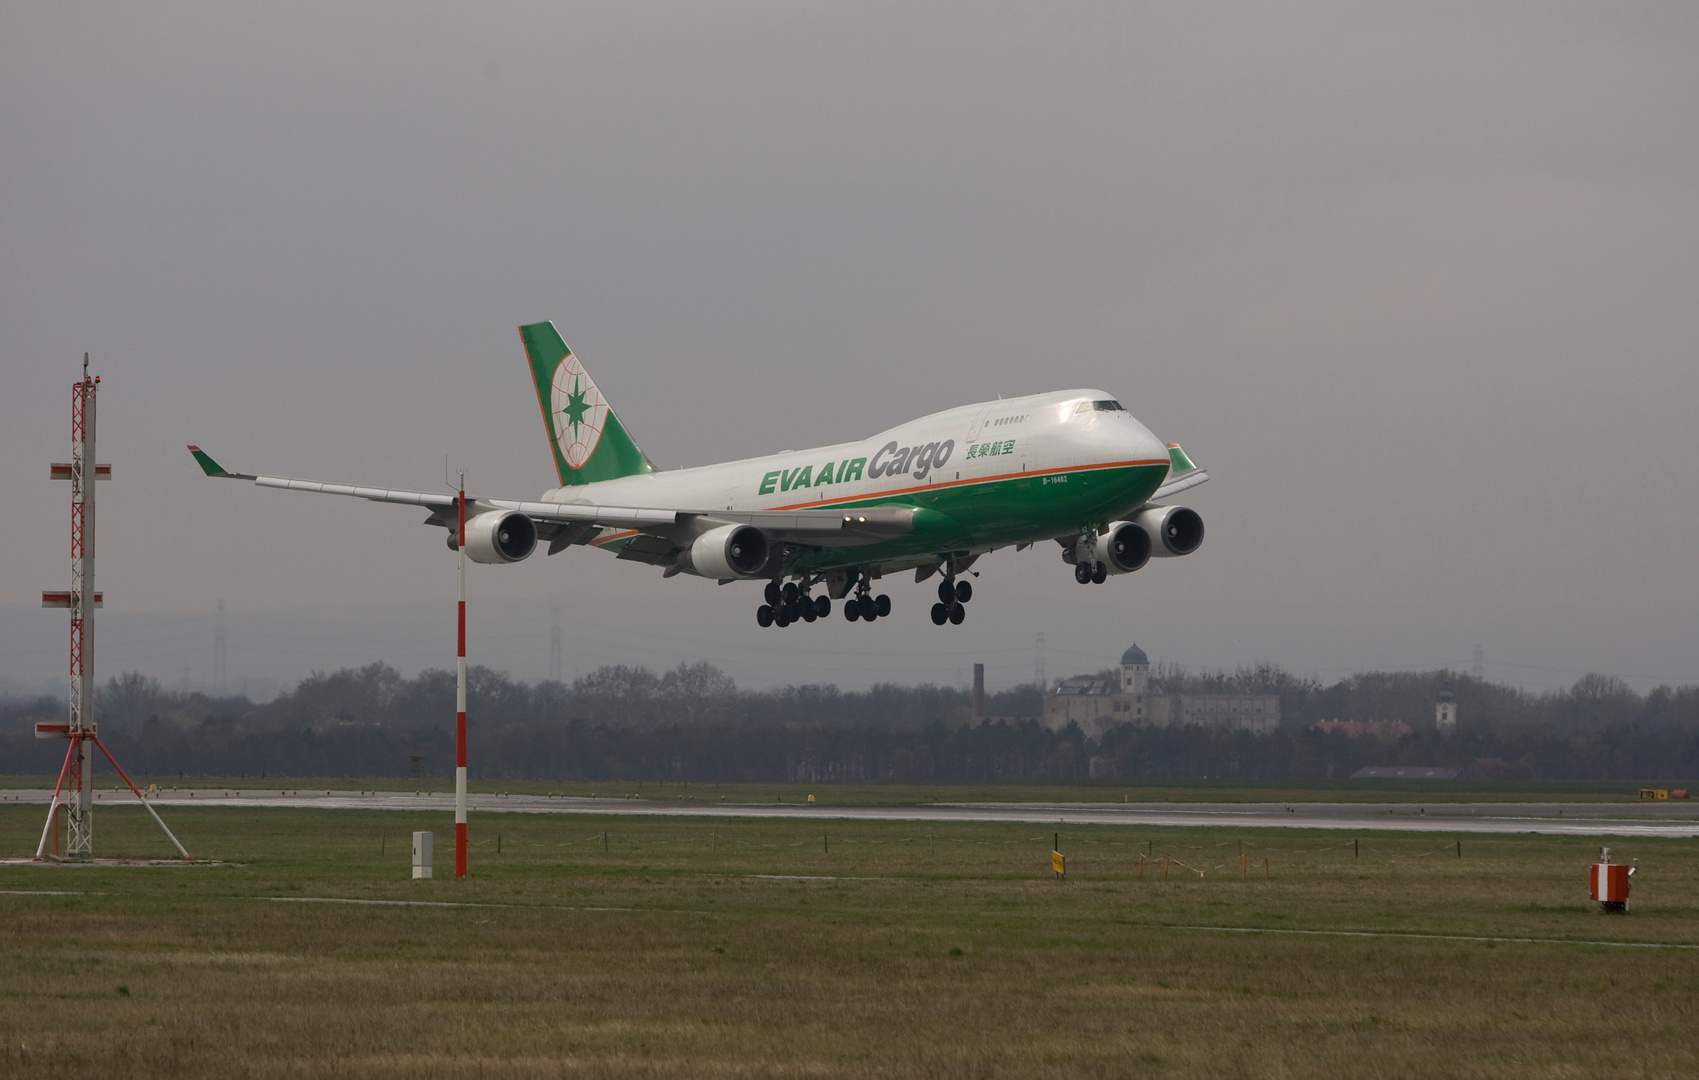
(1668, 819)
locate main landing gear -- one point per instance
(953, 596)
(789, 603)
(864, 605)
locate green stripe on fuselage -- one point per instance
(997, 513)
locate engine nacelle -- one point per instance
(1124, 547)
(730, 552)
(499, 536)
(1174, 530)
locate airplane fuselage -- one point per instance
(981, 476)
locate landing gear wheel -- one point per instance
(823, 606)
(805, 608)
(764, 615)
(782, 617)
(852, 610)
(964, 591)
(946, 592)
(1082, 573)
(940, 614)
(789, 592)
(882, 605)
(1101, 574)
(957, 614)
(774, 597)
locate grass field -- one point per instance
(1136, 790)
(603, 946)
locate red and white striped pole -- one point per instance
(460, 704)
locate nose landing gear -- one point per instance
(1091, 573)
(1088, 568)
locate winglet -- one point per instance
(1183, 473)
(204, 460)
(213, 468)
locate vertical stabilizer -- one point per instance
(588, 441)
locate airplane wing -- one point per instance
(1182, 474)
(822, 528)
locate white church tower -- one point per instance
(1135, 671)
(1445, 710)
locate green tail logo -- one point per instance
(589, 442)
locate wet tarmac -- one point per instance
(1672, 818)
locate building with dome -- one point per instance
(1445, 710)
(1097, 704)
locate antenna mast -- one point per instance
(74, 793)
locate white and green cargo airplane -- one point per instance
(931, 496)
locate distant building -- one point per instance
(1445, 710)
(1356, 729)
(1097, 704)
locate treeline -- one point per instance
(694, 723)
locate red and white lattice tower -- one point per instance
(73, 796)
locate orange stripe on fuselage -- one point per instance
(824, 503)
(975, 480)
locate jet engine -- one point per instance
(729, 552)
(1124, 548)
(499, 536)
(1174, 530)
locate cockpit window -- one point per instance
(1109, 405)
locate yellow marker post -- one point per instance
(1057, 863)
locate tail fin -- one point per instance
(588, 440)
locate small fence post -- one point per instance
(1167, 860)
(1266, 875)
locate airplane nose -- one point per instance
(1142, 445)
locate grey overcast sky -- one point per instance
(1419, 284)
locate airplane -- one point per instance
(933, 496)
